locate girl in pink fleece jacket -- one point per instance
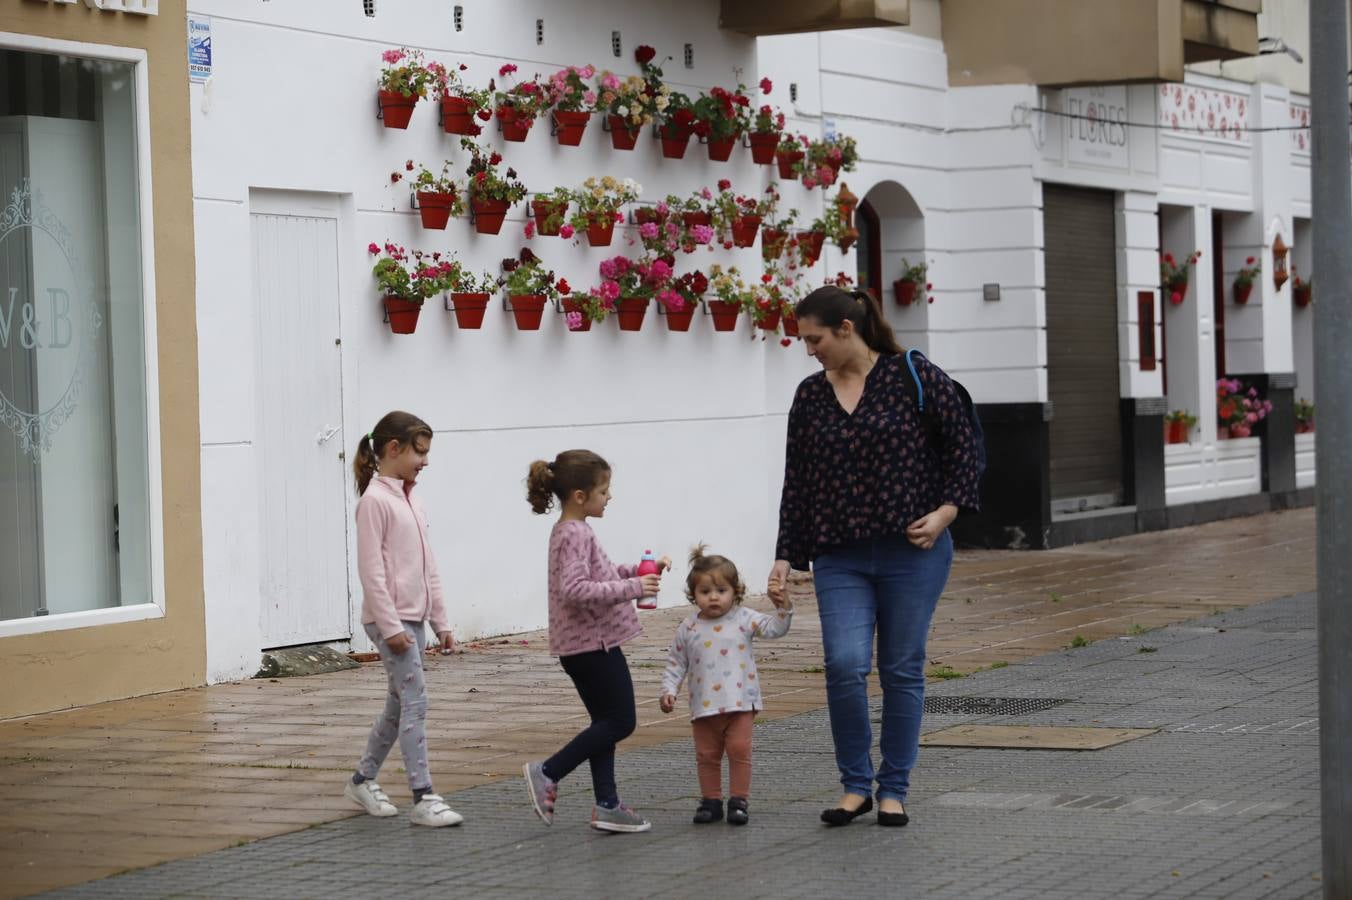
(591, 612)
(401, 591)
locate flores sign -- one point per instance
(136, 7)
(1097, 135)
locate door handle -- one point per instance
(323, 437)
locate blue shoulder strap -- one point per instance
(919, 388)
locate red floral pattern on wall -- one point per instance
(1185, 109)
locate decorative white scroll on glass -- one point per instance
(51, 313)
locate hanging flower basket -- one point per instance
(679, 320)
(772, 243)
(786, 162)
(721, 151)
(435, 209)
(675, 138)
(790, 325)
(744, 230)
(514, 125)
(528, 311)
(457, 117)
(905, 290)
(403, 314)
(622, 137)
(763, 146)
(544, 210)
(469, 309)
(488, 214)
(630, 312)
(724, 314)
(395, 109)
(569, 126)
(691, 219)
(1242, 292)
(573, 306)
(1302, 294)
(810, 245)
(601, 231)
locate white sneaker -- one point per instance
(370, 797)
(432, 811)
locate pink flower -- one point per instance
(648, 230)
(766, 85)
(392, 56)
(706, 193)
(574, 320)
(702, 234)
(622, 264)
(610, 82)
(660, 271)
(530, 229)
(619, 217)
(506, 70)
(589, 98)
(372, 248)
(586, 71)
(663, 209)
(608, 269)
(1251, 418)
(609, 290)
(565, 231)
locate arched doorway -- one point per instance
(892, 229)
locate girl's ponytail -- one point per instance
(364, 463)
(831, 306)
(540, 486)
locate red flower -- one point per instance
(495, 159)
(644, 54)
(1169, 258)
(727, 245)
(929, 286)
(742, 100)
(408, 166)
(767, 278)
(766, 85)
(484, 114)
(724, 184)
(563, 287)
(372, 248)
(785, 342)
(394, 177)
(1249, 261)
(506, 70)
(463, 67)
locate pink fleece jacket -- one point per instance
(399, 580)
(591, 600)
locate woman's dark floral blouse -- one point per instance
(873, 472)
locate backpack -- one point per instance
(973, 419)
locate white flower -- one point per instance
(622, 111)
(632, 187)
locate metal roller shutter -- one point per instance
(1082, 352)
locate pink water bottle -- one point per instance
(647, 566)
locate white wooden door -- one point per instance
(302, 472)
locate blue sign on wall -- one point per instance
(199, 48)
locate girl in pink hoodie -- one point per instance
(401, 591)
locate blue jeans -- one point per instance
(890, 586)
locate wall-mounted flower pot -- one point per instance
(488, 214)
(810, 246)
(1242, 292)
(724, 314)
(544, 210)
(691, 219)
(403, 314)
(572, 306)
(528, 310)
(1302, 295)
(1176, 293)
(570, 126)
(791, 326)
(435, 209)
(457, 117)
(515, 127)
(905, 291)
(786, 162)
(1240, 431)
(630, 311)
(469, 309)
(1304, 427)
(721, 151)
(763, 147)
(1176, 432)
(680, 319)
(675, 138)
(772, 243)
(601, 231)
(622, 137)
(769, 321)
(645, 214)
(394, 109)
(744, 230)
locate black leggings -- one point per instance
(602, 681)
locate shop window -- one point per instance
(75, 511)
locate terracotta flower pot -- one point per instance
(543, 210)
(810, 246)
(834, 164)
(763, 146)
(744, 230)
(528, 310)
(679, 320)
(395, 108)
(769, 322)
(631, 311)
(1176, 432)
(905, 290)
(1304, 428)
(1240, 431)
(572, 306)
(569, 127)
(791, 326)
(772, 243)
(1242, 292)
(1222, 432)
(514, 126)
(724, 314)
(1301, 295)
(469, 309)
(435, 209)
(601, 231)
(457, 117)
(720, 151)
(488, 214)
(645, 214)
(403, 314)
(691, 219)
(786, 162)
(675, 138)
(622, 137)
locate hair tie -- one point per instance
(370, 440)
(550, 464)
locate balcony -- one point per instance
(759, 17)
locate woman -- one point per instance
(871, 485)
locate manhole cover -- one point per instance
(989, 706)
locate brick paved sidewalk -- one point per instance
(90, 792)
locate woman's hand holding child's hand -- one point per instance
(779, 579)
(668, 702)
(399, 643)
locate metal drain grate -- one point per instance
(989, 706)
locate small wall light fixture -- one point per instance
(990, 291)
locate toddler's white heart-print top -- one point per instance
(713, 656)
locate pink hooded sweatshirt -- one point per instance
(399, 580)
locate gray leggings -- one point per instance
(405, 705)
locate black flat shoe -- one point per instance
(737, 814)
(893, 820)
(842, 816)
(710, 810)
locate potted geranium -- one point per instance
(631, 284)
(826, 159)
(1174, 277)
(490, 193)
(911, 282)
(720, 118)
(597, 207)
(469, 297)
(407, 280)
(1177, 425)
(581, 308)
(1238, 408)
(551, 213)
(438, 196)
(775, 228)
(732, 294)
(678, 124)
(789, 153)
(528, 286)
(1304, 416)
(736, 217)
(766, 126)
(627, 106)
(681, 298)
(1302, 291)
(461, 104)
(520, 105)
(572, 101)
(1244, 279)
(403, 80)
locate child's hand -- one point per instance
(650, 584)
(399, 643)
(780, 600)
(449, 644)
(779, 580)
(663, 564)
(668, 702)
